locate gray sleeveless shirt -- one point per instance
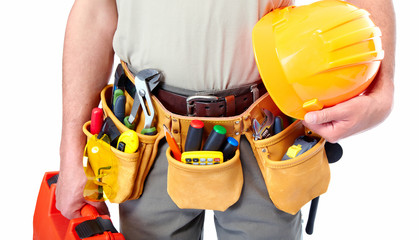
(198, 45)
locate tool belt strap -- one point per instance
(224, 103)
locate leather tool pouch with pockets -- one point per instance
(112, 174)
(290, 183)
(120, 176)
(214, 187)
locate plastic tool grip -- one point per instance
(96, 121)
(215, 139)
(194, 138)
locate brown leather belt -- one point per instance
(223, 103)
(211, 105)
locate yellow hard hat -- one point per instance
(317, 55)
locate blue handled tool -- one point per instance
(229, 148)
(119, 107)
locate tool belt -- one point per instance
(120, 176)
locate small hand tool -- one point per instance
(128, 142)
(109, 129)
(194, 137)
(278, 125)
(202, 158)
(264, 129)
(215, 139)
(145, 81)
(229, 148)
(96, 121)
(119, 83)
(172, 144)
(119, 107)
(301, 145)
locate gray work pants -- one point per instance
(253, 217)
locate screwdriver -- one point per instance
(194, 138)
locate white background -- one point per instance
(374, 189)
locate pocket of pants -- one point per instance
(292, 183)
(214, 187)
(111, 174)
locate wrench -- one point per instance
(145, 81)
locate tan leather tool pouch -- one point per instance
(215, 187)
(290, 183)
(120, 175)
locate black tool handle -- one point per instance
(194, 137)
(312, 216)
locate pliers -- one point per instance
(145, 81)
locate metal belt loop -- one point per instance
(255, 91)
(190, 102)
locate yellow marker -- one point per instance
(202, 157)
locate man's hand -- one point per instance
(69, 195)
(348, 118)
(366, 111)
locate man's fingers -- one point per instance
(101, 207)
(326, 115)
(326, 130)
(329, 122)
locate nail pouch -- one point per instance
(214, 187)
(292, 183)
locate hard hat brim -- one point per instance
(271, 70)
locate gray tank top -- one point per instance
(198, 45)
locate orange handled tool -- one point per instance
(50, 224)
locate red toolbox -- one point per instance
(49, 224)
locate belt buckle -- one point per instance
(190, 102)
(255, 92)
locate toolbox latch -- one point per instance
(93, 227)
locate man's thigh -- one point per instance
(254, 216)
(154, 215)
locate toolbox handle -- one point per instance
(89, 211)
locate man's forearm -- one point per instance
(87, 64)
